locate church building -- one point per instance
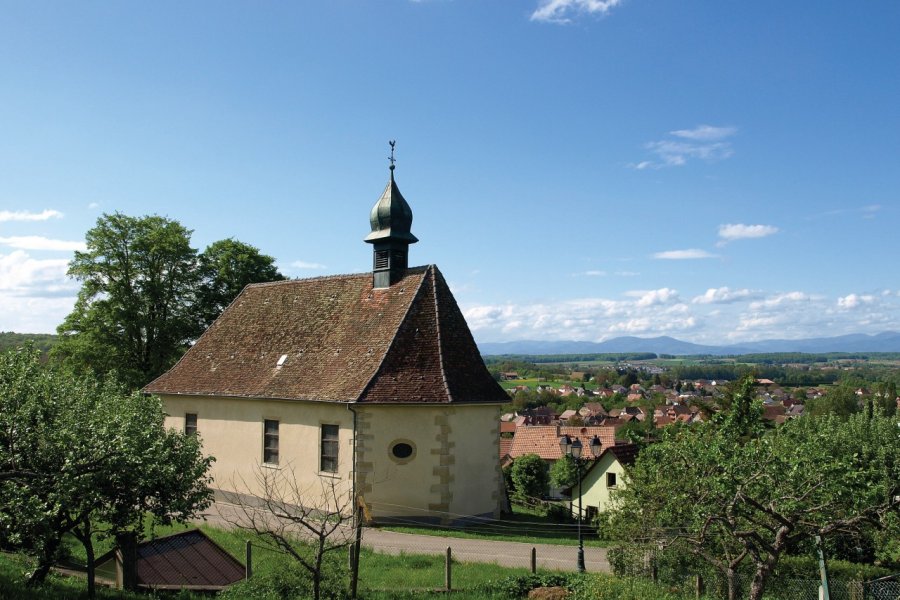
(370, 381)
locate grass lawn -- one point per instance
(524, 525)
(381, 576)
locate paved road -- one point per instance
(507, 554)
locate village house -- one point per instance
(601, 479)
(544, 441)
(371, 383)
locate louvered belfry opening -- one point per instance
(391, 220)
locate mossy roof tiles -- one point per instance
(344, 342)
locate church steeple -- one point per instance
(391, 220)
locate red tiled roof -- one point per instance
(508, 427)
(505, 446)
(344, 342)
(544, 440)
(626, 454)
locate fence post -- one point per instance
(699, 586)
(533, 560)
(448, 569)
(249, 556)
(824, 591)
(354, 554)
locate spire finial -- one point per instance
(392, 159)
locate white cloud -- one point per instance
(653, 297)
(310, 266)
(852, 301)
(20, 272)
(718, 316)
(593, 273)
(94, 205)
(738, 231)
(644, 311)
(36, 242)
(705, 133)
(562, 11)
(676, 154)
(782, 299)
(704, 142)
(35, 293)
(24, 215)
(723, 295)
(691, 253)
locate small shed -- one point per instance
(187, 560)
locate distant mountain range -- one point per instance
(889, 341)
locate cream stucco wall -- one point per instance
(232, 432)
(454, 471)
(594, 490)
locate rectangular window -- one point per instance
(190, 424)
(270, 442)
(329, 457)
(610, 480)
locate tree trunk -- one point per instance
(84, 536)
(45, 561)
(91, 567)
(731, 582)
(760, 577)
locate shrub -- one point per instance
(290, 584)
(518, 586)
(600, 586)
(807, 567)
(628, 559)
(558, 513)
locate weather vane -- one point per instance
(392, 159)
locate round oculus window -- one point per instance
(402, 450)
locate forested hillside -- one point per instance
(42, 341)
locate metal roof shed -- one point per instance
(188, 560)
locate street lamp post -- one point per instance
(574, 449)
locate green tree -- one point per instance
(839, 400)
(77, 451)
(134, 311)
(732, 493)
(530, 477)
(226, 267)
(564, 472)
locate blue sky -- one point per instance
(578, 169)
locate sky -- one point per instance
(716, 171)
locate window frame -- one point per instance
(329, 447)
(270, 442)
(611, 477)
(190, 423)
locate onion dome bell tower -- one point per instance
(391, 220)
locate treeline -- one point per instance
(782, 375)
(526, 370)
(41, 341)
(774, 358)
(570, 358)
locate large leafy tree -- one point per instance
(134, 310)
(75, 452)
(736, 495)
(226, 267)
(146, 294)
